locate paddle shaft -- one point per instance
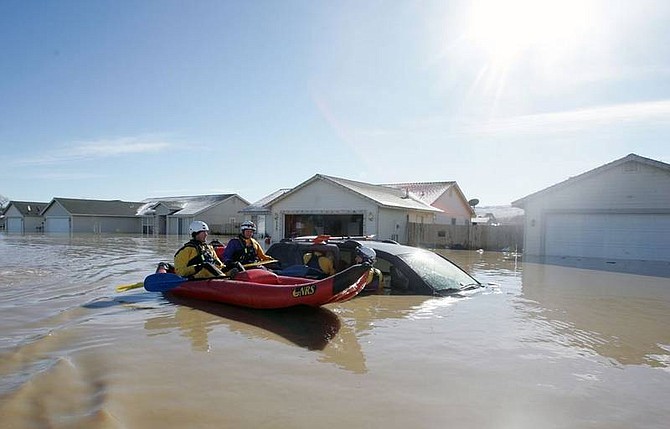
(124, 288)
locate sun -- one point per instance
(506, 29)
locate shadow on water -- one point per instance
(311, 328)
(108, 302)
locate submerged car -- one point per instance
(407, 270)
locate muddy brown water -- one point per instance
(546, 347)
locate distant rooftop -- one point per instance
(427, 192)
(183, 205)
(260, 205)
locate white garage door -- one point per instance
(57, 224)
(609, 236)
(14, 224)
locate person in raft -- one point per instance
(319, 261)
(244, 248)
(197, 259)
(375, 281)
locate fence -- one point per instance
(485, 237)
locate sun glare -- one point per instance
(505, 29)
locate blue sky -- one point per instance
(135, 99)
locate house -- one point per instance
(446, 196)
(24, 216)
(619, 211)
(499, 215)
(68, 215)
(259, 213)
(173, 215)
(341, 207)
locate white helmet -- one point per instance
(247, 224)
(197, 226)
(367, 254)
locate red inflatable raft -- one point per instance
(264, 289)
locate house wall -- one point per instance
(106, 224)
(222, 218)
(629, 188)
(173, 225)
(330, 199)
(33, 223)
(225, 217)
(392, 225)
(58, 214)
(56, 209)
(452, 206)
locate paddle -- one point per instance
(123, 288)
(256, 264)
(156, 282)
(162, 282)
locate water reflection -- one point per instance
(311, 328)
(622, 317)
(315, 329)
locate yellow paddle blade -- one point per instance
(124, 288)
(255, 264)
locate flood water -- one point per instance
(547, 347)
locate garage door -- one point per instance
(14, 224)
(609, 236)
(57, 224)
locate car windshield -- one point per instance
(437, 272)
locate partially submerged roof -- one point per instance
(97, 207)
(384, 196)
(573, 180)
(28, 208)
(184, 205)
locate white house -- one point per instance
(24, 216)
(618, 211)
(173, 215)
(341, 207)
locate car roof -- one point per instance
(387, 246)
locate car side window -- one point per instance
(399, 283)
(286, 254)
(346, 259)
(383, 265)
(389, 272)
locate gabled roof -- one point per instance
(28, 208)
(591, 173)
(427, 192)
(96, 207)
(185, 205)
(384, 196)
(430, 192)
(261, 206)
